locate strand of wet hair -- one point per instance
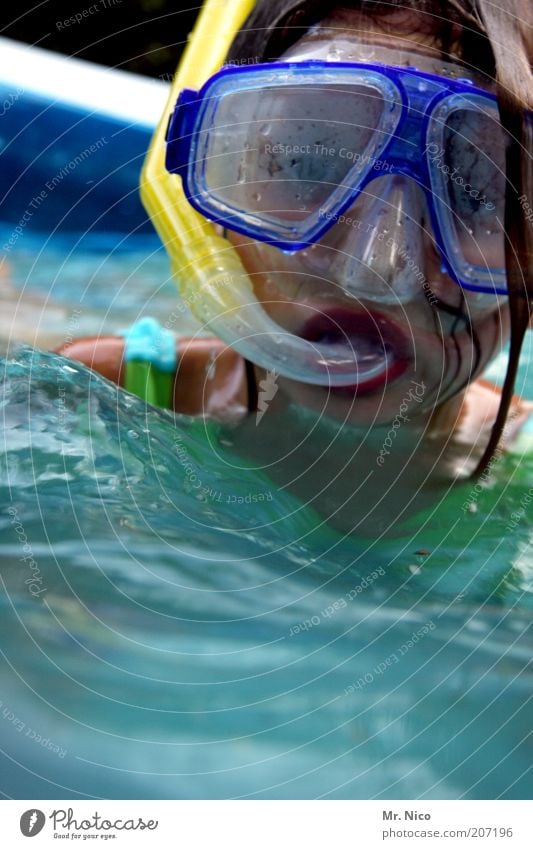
(460, 315)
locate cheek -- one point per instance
(280, 282)
(263, 262)
(450, 361)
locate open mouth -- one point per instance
(371, 343)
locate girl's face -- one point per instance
(438, 337)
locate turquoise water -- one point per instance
(160, 640)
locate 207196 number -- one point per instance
(489, 831)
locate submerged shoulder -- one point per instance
(462, 428)
(481, 405)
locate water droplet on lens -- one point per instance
(256, 196)
(265, 129)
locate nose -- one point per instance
(379, 253)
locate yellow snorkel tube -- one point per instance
(207, 268)
(200, 259)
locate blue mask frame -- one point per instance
(418, 104)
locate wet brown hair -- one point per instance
(496, 38)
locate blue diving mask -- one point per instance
(279, 152)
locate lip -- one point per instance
(378, 343)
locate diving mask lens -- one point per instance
(280, 152)
(269, 150)
(466, 161)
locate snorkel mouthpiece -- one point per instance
(221, 297)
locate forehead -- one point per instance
(401, 38)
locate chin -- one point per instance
(405, 397)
